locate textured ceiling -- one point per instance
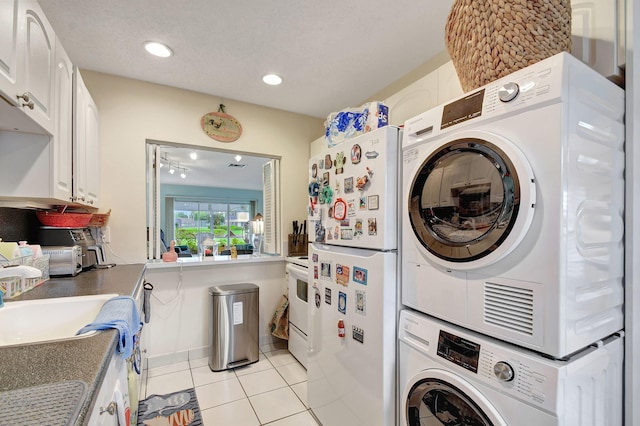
(211, 168)
(331, 54)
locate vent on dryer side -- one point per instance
(509, 307)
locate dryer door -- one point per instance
(471, 200)
(439, 397)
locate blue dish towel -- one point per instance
(120, 313)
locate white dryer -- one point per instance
(451, 376)
(513, 208)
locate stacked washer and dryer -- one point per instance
(512, 253)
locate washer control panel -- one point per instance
(503, 371)
(505, 367)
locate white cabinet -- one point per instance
(62, 141)
(8, 46)
(58, 169)
(413, 99)
(37, 65)
(27, 52)
(85, 145)
(114, 386)
(448, 83)
(598, 35)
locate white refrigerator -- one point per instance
(353, 213)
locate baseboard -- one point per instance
(267, 343)
(167, 359)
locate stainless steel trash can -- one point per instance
(233, 330)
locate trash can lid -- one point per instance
(225, 290)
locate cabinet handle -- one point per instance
(111, 409)
(25, 97)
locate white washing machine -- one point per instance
(451, 376)
(513, 208)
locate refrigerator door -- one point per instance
(353, 191)
(351, 378)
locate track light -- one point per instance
(172, 170)
(183, 175)
(238, 158)
(193, 155)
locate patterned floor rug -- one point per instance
(174, 409)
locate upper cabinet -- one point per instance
(36, 95)
(85, 145)
(59, 169)
(62, 141)
(27, 56)
(49, 148)
(598, 35)
(8, 47)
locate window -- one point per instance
(225, 223)
(215, 195)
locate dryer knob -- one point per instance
(508, 92)
(503, 371)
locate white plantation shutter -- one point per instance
(154, 250)
(270, 183)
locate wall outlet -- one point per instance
(106, 234)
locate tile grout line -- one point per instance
(237, 377)
(245, 392)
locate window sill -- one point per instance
(196, 261)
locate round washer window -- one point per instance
(435, 402)
(464, 200)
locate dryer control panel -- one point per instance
(514, 93)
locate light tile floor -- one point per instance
(272, 391)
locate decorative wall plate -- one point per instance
(221, 126)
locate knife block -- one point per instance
(298, 244)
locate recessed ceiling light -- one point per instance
(238, 157)
(272, 79)
(158, 49)
(193, 155)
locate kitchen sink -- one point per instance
(44, 320)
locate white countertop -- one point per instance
(196, 261)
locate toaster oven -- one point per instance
(64, 260)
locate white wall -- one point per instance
(440, 85)
(181, 305)
(132, 111)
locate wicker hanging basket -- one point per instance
(488, 39)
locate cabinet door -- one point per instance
(104, 411)
(62, 140)
(448, 83)
(597, 35)
(79, 139)
(92, 152)
(85, 145)
(9, 33)
(38, 62)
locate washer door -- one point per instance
(438, 397)
(471, 200)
